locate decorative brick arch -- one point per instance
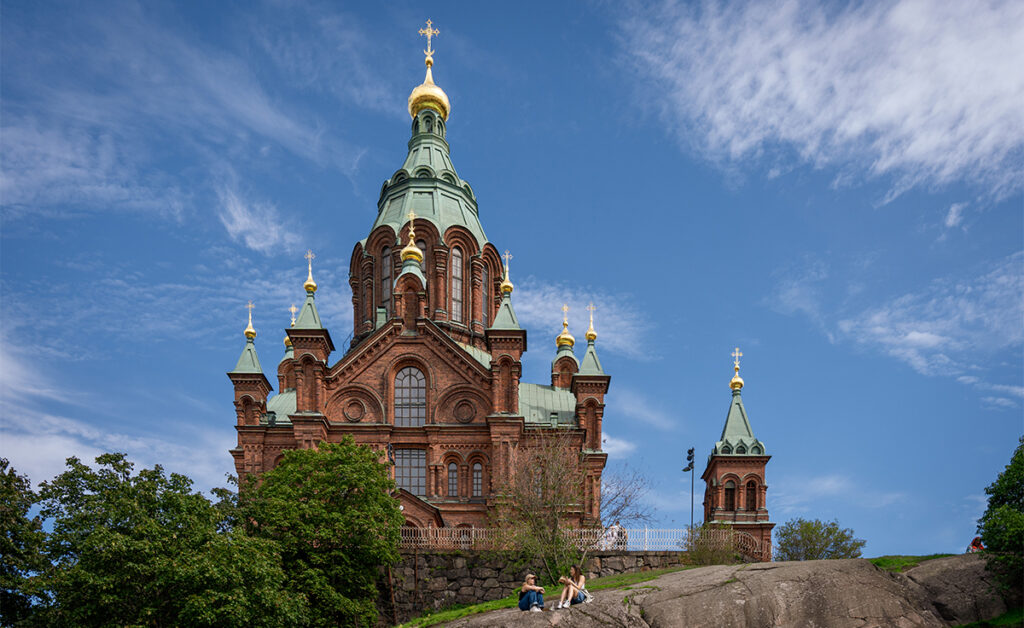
(355, 403)
(429, 377)
(479, 457)
(464, 403)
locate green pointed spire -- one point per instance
(591, 365)
(506, 316)
(309, 317)
(249, 362)
(737, 435)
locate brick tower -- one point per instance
(431, 377)
(736, 492)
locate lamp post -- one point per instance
(689, 467)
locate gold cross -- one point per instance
(591, 308)
(309, 257)
(293, 310)
(412, 225)
(429, 32)
(249, 307)
(507, 257)
(736, 355)
(565, 314)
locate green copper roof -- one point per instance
(591, 365)
(506, 316)
(248, 362)
(565, 351)
(308, 318)
(282, 405)
(479, 355)
(412, 267)
(547, 405)
(289, 353)
(737, 437)
(428, 185)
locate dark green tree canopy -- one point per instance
(331, 512)
(802, 539)
(21, 542)
(1002, 525)
(144, 549)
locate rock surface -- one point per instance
(839, 593)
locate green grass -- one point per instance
(902, 563)
(597, 584)
(1013, 618)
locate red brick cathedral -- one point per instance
(432, 375)
(735, 493)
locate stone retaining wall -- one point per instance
(435, 580)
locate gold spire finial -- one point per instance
(310, 285)
(287, 340)
(429, 32)
(506, 285)
(250, 331)
(411, 251)
(736, 383)
(591, 334)
(427, 95)
(565, 338)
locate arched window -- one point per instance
(457, 285)
(478, 479)
(740, 449)
(385, 279)
(411, 470)
(751, 495)
(410, 398)
(422, 245)
(486, 297)
(730, 495)
(726, 449)
(453, 479)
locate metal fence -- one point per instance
(595, 539)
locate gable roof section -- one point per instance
(547, 405)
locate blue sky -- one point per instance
(835, 189)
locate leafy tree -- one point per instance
(331, 512)
(800, 539)
(545, 488)
(1002, 525)
(21, 542)
(144, 550)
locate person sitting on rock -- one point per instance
(975, 545)
(531, 597)
(573, 591)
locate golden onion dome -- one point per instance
(310, 285)
(250, 331)
(736, 383)
(287, 341)
(429, 96)
(591, 334)
(565, 338)
(411, 251)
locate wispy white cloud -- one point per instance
(924, 93)
(630, 406)
(955, 215)
(798, 289)
(800, 495)
(619, 324)
(943, 328)
(617, 447)
(256, 224)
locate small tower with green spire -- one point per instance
(251, 385)
(589, 386)
(736, 489)
(565, 364)
(506, 342)
(311, 346)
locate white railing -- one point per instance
(594, 539)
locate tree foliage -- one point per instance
(1002, 524)
(21, 542)
(144, 549)
(332, 516)
(802, 539)
(545, 490)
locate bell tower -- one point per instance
(736, 490)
